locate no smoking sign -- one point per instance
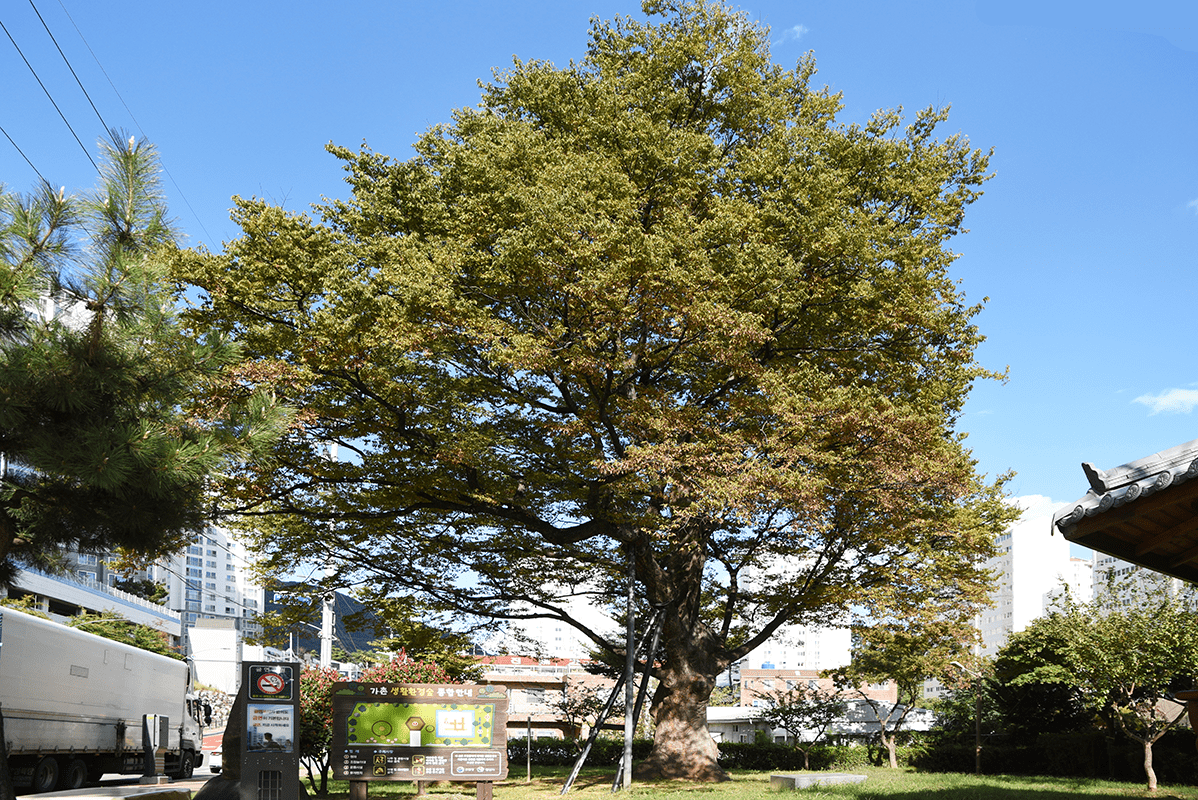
(270, 683)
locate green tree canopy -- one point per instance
(1118, 659)
(658, 305)
(1034, 687)
(906, 653)
(803, 711)
(112, 417)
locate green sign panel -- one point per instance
(409, 732)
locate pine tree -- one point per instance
(112, 416)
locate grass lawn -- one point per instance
(595, 784)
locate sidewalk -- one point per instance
(176, 790)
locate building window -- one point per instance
(87, 559)
(87, 575)
(194, 562)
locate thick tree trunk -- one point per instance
(1148, 771)
(682, 746)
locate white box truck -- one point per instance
(73, 705)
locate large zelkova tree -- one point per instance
(657, 306)
(113, 417)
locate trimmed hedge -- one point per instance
(1080, 755)
(564, 752)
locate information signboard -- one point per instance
(417, 732)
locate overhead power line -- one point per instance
(68, 63)
(22, 152)
(144, 135)
(51, 97)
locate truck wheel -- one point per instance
(45, 775)
(187, 764)
(75, 775)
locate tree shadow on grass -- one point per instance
(1004, 788)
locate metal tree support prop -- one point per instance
(625, 768)
(611, 701)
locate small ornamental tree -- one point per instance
(906, 655)
(801, 711)
(1133, 648)
(578, 706)
(1034, 688)
(316, 707)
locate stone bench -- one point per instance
(808, 779)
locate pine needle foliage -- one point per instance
(113, 416)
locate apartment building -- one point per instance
(1032, 565)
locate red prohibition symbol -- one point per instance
(270, 683)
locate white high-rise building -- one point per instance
(1128, 577)
(210, 580)
(553, 638)
(802, 647)
(1032, 564)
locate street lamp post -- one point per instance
(977, 715)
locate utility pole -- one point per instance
(629, 668)
(326, 608)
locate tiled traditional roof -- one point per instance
(1144, 512)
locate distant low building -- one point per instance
(745, 724)
(535, 688)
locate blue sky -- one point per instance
(1085, 241)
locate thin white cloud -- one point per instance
(1194, 205)
(795, 34)
(1171, 401)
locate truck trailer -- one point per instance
(73, 705)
